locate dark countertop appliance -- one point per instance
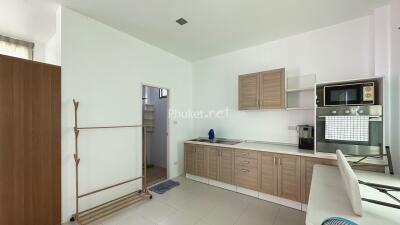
(306, 137)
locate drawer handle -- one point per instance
(245, 154)
(245, 171)
(245, 162)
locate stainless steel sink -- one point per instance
(201, 140)
(218, 141)
(228, 142)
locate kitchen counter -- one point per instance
(328, 198)
(270, 147)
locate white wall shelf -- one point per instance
(300, 89)
(300, 92)
(148, 117)
(301, 108)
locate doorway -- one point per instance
(155, 118)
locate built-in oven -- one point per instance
(356, 130)
(349, 94)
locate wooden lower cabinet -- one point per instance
(213, 162)
(283, 175)
(200, 161)
(268, 173)
(247, 169)
(307, 165)
(226, 165)
(190, 158)
(209, 161)
(280, 175)
(288, 174)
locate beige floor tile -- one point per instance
(180, 218)
(195, 203)
(156, 211)
(203, 222)
(200, 205)
(177, 199)
(224, 215)
(288, 216)
(259, 212)
(128, 219)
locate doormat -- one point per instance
(164, 186)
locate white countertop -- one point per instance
(270, 147)
(328, 198)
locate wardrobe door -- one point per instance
(45, 157)
(30, 142)
(11, 149)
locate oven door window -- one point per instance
(343, 95)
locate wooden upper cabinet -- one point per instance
(272, 89)
(289, 177)
(249, 91)
(263, 90)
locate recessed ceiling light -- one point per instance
(181, 21)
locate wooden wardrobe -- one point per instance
(30, 142)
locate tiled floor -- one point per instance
(194, 203)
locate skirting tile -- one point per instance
(222, 185)
(197, 178)
(247, 191)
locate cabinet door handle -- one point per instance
(274, 160)
(245, 171)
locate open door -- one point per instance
(155, 118)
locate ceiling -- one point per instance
(219, 26)
(30, 20)
(214, 26)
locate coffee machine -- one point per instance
(306, 137)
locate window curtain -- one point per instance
(16, 48)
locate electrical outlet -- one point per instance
(292, 127)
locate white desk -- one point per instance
(328, 198)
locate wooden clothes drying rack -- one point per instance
(95, 213)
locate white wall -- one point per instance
(105, 69)
(39, 52)
(395, 81)
(381, 39)
(53, 45)
(339, 52)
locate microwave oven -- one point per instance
(350, 94)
